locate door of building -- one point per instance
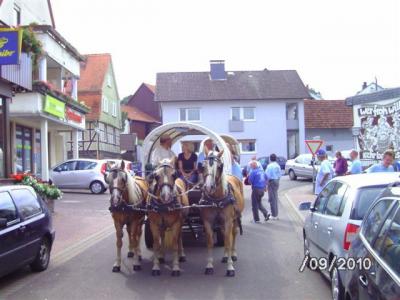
(23, 145)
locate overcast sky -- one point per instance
(334, 45)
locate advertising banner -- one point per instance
(54, 107)
(10, 46)
(380, 130)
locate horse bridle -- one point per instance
(121, 190)
(211, 160)
(158, 187)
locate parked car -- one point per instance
(336, 215)
(26, 233)
(377, 247)
(84, 174)
(301, 166)
(264, 161)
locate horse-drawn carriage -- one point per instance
(180, 132)
(174, 205)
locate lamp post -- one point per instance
(97, 130)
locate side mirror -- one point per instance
(3, 222)
(305, 206)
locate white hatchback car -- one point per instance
(84, 174)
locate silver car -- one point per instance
(301, 166)
(336, 216)
(83, 174)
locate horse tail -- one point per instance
(168, 239)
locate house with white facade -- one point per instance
(330, 121)
(264, 109)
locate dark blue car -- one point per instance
(26, 234)
(376, 251)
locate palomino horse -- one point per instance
(166, 216)
(224, 193)
(126, 190)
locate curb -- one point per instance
(299, 215)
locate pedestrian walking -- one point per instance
(340, 164)
(325, 172)
(258, 183)
(356, 167)
(386, 165)
(273, 173)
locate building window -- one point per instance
(109, 80)
(248, 146)
(243, 114)
(189, 114)
(23, 145)
(291, 111)
(236, 114)
(114, 109)
(16, 15)
(329, 148)
(105, 104)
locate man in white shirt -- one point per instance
(163, 151)
(325, 171)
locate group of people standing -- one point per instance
(262, 181)
(340, 168)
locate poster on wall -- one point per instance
(380, 130)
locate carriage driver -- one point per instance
(162, 151)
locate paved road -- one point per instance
(269, 257)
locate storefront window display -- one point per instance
(23, 143)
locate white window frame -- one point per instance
(242, 113)
(105, 104)
(114, 109)
(248, 140)
(109, 81)
(187, 114)
(16, 15)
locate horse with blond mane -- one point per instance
(127, 202)
(224, 201)
(166, 215)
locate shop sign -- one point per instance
(380, 130)
(10, 46)
(72, 115)
(54, 107)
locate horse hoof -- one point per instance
(234, 258)
(182, 259)
(137, 268)
(209, 271)
(140, 258)
(156, 273)
(130, 254)
(176, 273)
(230, 273)
(224, 260)
(161, 260)
(116, 269)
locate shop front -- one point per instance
(38, 126)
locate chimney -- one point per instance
(217, 70)
(364, 86)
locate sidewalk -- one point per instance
(298, 195)
(79, 217)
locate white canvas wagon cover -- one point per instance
(179, 130)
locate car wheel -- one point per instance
(148, 236)
(292, 175)
(336, 285)
(42, 259)
(97, 187)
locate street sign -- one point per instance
(314, 145)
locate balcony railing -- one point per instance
(20, 75)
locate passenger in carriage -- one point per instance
(187, 163)
(163, 151)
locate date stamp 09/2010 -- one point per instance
(341, 263)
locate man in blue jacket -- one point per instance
(258, 181)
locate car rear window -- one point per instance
(364, 200)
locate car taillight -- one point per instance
(349, 235)
(103, 168)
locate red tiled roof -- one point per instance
(327, 114)
(93, 72)
(151, 87)
(136, 114)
